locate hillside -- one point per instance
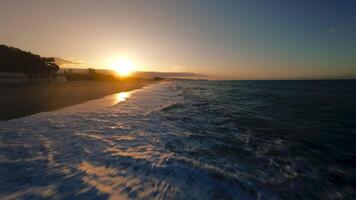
(16, 60)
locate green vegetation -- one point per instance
(90, 75)
(16, 60)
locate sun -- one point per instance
(123, 66)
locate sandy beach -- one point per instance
(22, 100)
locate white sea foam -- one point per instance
(108, 144)
(184, 140)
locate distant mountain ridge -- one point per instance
(16, 60)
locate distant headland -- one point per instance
(30, 84)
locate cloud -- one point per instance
(65, 62)
(332, 30)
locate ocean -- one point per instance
(189, 140)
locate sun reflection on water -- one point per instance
(122, 96)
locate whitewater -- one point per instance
(177, 140)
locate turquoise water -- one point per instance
(189, 140)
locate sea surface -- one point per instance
(189, 140)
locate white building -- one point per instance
(9, 77)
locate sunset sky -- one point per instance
(224, 39)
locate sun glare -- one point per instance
(122, 96)
(123, 66)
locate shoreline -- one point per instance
(20, 100)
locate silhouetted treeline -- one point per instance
(156, 78)
(90, 75)
(16, 60)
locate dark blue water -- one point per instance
(191, 140)
(291, 139)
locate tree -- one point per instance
(16, 60)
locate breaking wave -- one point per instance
(174, 140)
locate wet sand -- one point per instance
(18, 100)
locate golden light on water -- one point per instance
(122, 96)
(123, 66)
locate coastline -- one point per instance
(19, 100)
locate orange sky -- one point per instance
(224, 40)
